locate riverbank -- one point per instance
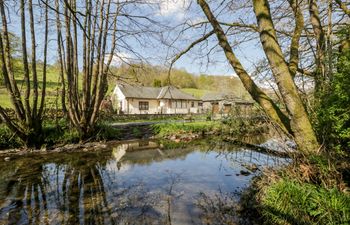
(310, 190)
(59, 133)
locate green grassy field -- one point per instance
(198, 93)
(53, 86)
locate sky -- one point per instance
(172, 14)
(179, 11)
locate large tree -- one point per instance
(292, 54)
(298, 123)
(28, 104)
(90, 36)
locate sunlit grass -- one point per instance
(198, 93)
(291, 202)
(164, 129)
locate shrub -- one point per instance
(288, 201)
(104, 131)
(59, 132)
(8, 139)
(334, 112)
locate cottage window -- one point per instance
(192, 104)
(200, 104)
(184, 104)
(178, 104)
(173, 104)
(143, 105)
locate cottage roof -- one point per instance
(135, 91)
(168, 92)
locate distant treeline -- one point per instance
(157, 76)
(146, 75)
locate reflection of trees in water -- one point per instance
(73, 191)
(235, 153)
(218, 209)
(83, 187)
(28, 195)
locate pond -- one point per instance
(138, 182)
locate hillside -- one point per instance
(145, 75)
(158, 76)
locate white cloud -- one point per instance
(175, 8)
(169, 7)
(119, 59)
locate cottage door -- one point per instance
(215, 107)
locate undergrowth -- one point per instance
(165, 129)
(289, 201)
(8, 139)
(59, 132)
(311, 190)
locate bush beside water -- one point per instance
(309, 191)
(289, 201)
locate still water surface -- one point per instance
(141, 182)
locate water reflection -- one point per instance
(132, 183)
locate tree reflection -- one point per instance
(73, 190)
(27, 188)
(105, 187)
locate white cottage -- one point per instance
(134, 99)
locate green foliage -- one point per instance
(183, 79)
(104, 131)
(334, 113)
(198, 93)
(59, 132)
(288, 201)
(149, 75)
(165, 129)
(311, 190)
(8, 139)
(156, 76)
(157, 83)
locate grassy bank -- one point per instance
(163, 130)
(59, 133)
(310, 191)
(116, 118)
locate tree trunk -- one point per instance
(321, 76)
(300, 123)
(95, 33)
(257, 94)
(28, 122)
